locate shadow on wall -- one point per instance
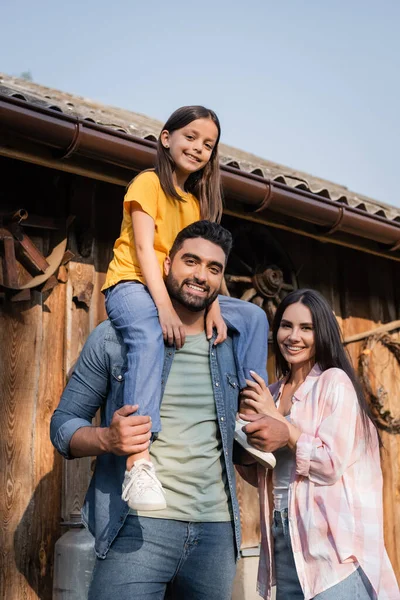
(35, 537)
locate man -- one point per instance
(192, 545)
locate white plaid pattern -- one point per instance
(335, 496)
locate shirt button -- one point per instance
(222, 418)
(212, 353)
(119, 377)
(217, 384)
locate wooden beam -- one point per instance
(376, 331)
(10, 271)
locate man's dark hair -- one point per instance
(207, 230)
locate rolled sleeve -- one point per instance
(304, 449)
(325, 456)
(61, 435)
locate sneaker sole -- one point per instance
(138, 506)
(267, 459)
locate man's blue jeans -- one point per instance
(134, 314)
(161, 558)
(354, 587)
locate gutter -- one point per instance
(68, 137)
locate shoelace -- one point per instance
(134, 478)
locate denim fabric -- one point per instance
(97, 383)
(150, 557)
(287, 583)
(354, 587)
(133, 313)
(250, 345)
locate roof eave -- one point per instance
(68, 143)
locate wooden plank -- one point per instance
(77, 473)
(10, 271)
(384, 375)
(368, 299)
(39, 526)
(249, 512)
(31, 252)
(20, 341)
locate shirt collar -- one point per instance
(305, 387)
(308, 383)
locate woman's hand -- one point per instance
(258, 397)
(172, 327)
(214, 319)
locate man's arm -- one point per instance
(127, 434)
(71, 429)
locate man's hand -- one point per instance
(265, 432)
(127, 433)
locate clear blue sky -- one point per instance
(314, 85)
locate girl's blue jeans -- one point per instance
(354, 587)
(133, 313)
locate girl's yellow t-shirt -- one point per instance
(170, 216)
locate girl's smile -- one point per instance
(190, 147)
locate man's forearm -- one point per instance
(127, 434)
(89, 441)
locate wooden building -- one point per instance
(64, 162)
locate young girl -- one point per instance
(184, 187)
(327, 524)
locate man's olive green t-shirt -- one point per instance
(187, 453)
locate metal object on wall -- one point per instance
(23, 265)
(259, 269)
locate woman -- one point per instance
(327, 525)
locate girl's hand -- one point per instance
(214, 319)
(257, 396)
(172, 327)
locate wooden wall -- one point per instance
(40, 340)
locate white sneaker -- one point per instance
(267, 459)
(141, 489)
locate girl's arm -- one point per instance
(214, 319)
(143, 231)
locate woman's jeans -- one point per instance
(152, 559)
(133, 313)
(354, 587)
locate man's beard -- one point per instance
(189, 301)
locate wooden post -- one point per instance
(77, 473)
(30, 382)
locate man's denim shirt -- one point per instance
(97, 382)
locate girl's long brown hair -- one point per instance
(205, 184)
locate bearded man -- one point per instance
(189, 549)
